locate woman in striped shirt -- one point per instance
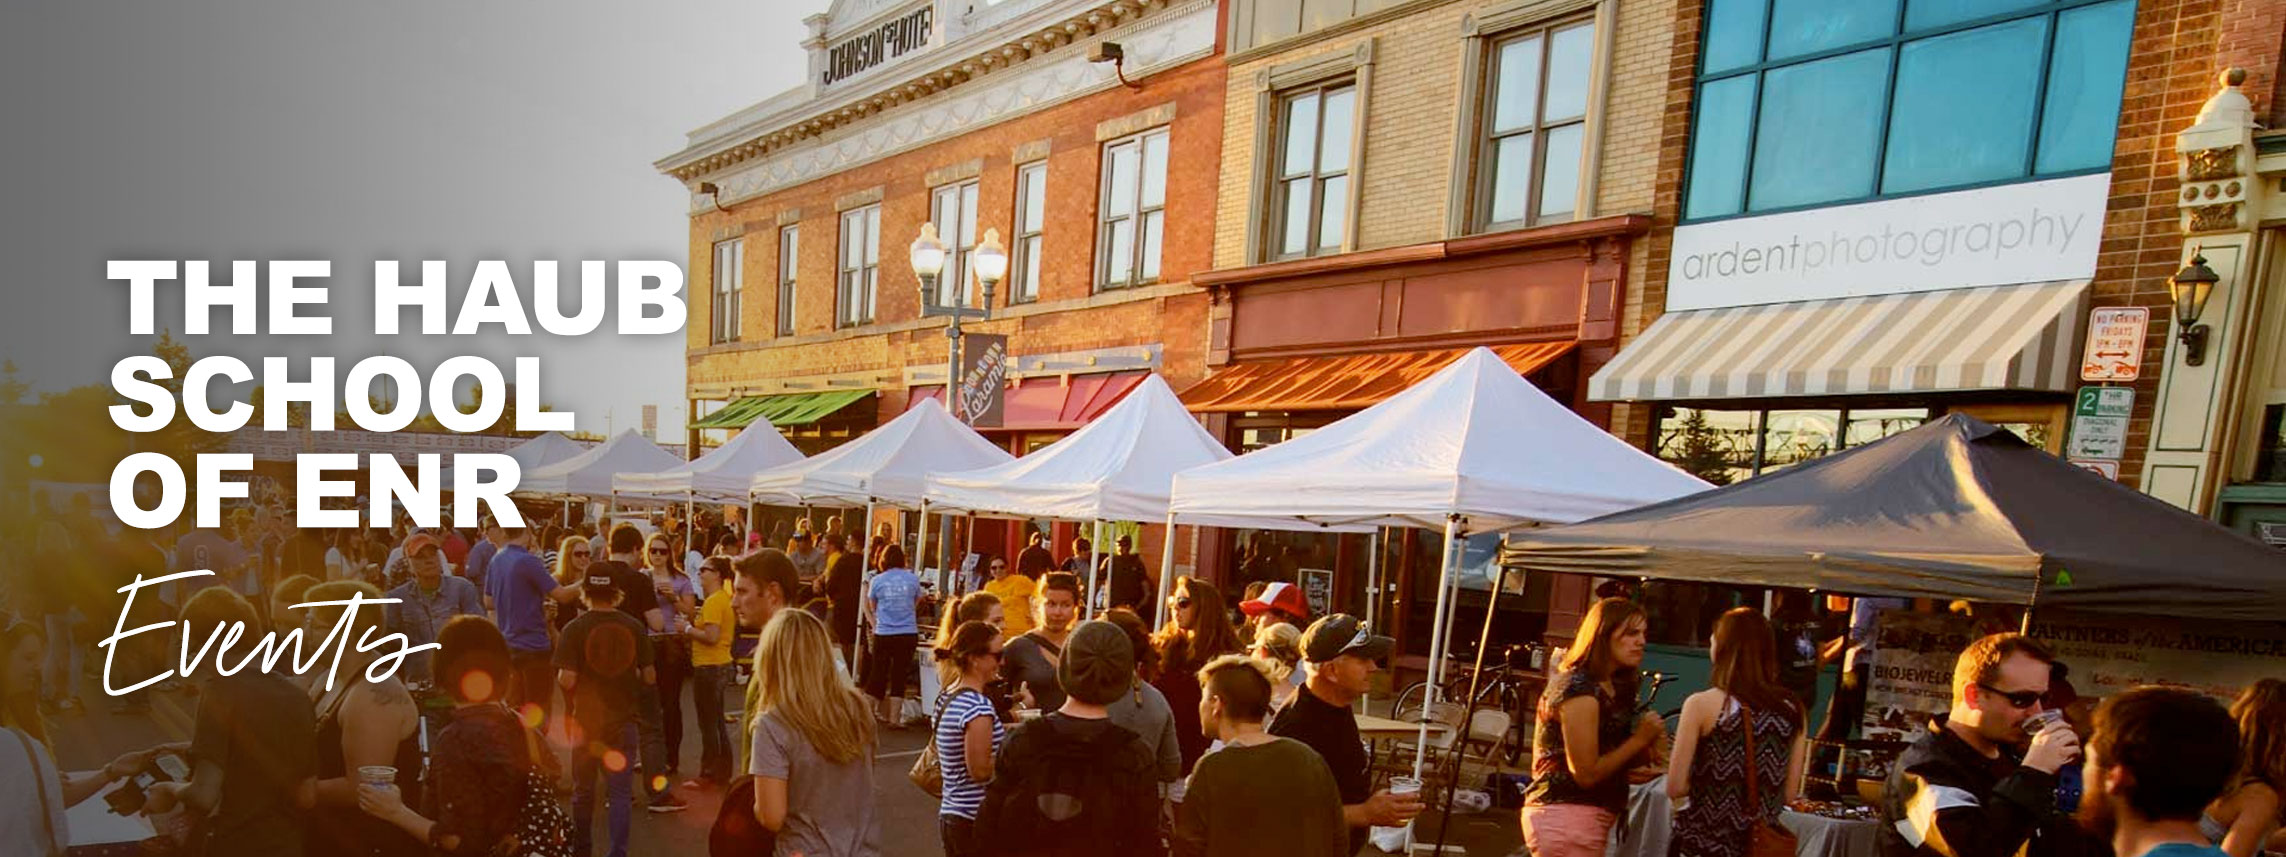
(968, 732)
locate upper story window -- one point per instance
(1810, 102)
(860, 266)
(1532, 125)
(1131, 210)
(729, 279)
(1031, 221)
(1309, 210)
(953, 209)
(789, 258)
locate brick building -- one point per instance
(1098, 178)
(1402, 181)
(1870, 220)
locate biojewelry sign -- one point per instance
(2019, 233)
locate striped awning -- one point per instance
(2016, 337)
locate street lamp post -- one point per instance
(990, 261)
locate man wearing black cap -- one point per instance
(1073, 782)
(604, 663)
(1341, 657)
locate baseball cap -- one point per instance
(1341, 634)
(420, 541)
(601, 586)
(1284, 597)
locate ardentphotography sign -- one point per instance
(2020, 233)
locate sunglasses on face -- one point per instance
(2017, 698)
(659, 551)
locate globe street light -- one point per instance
(989, 260)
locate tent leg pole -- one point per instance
(1373, 579)
(1167, 578)
(1437, 632)
(1094, 551)
(2026, 627)
(921, 546)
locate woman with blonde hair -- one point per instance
(2249, 814)
(812, 747)
(978, 606)
(1279, 646)
(360, 723)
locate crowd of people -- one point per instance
(1061, 722)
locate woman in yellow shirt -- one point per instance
(1015, 592)
(711, 671)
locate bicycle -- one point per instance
(1503, 689)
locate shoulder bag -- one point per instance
(1765, 838)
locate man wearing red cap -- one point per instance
(1279, 602)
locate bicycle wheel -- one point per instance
(1410, 703)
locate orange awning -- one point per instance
(1347, 382)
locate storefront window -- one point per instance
(1808, 102)
(1725, 447)
(2270, 463)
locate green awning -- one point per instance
(785, 409)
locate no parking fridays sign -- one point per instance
(1912, 670)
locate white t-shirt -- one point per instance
(28, 783)
(336, 567)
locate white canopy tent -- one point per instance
(589, 474)
(721, 474)
(1119, 467)
(542, 450)
(886, 467)
(1473, 448)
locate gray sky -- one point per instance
(274, 129)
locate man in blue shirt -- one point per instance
(480, 556)
(521, 588)
(2158, 757)
(427, 602)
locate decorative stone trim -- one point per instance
(1127, 358)
(950, 173)
(857, 199)
(840, 109)
(2220, 162)
(1113, 129)
(1182, 34)
(725, 233)
(789, 216)
(1029, 152)
(1302, 72)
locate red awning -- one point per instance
(1055, 403)
(1342, 383)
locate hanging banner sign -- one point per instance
(1317, 589)
(1912, 673)
(983, 395)
(2115, 344)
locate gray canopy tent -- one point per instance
(1956, 509)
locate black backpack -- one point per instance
(735, 832)
(1080, 791)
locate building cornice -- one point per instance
(1452, 248)
(810, 119)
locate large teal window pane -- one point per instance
(1718, 149)
(1962, 110)
(1924, 14)
(1734, 34)
(1819, 130)
(1807, 26)
(2085, 78)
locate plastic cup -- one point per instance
(377, 775)
(1404, 785)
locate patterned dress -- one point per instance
(1715, 821)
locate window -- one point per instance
(855, 289)
(1811, 102)
(1724, 447)
(1310, 196)
(1031, 219)
(953, 209)
(789, 257)
(1131, 210)
(729, 267)
(1533, 125)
